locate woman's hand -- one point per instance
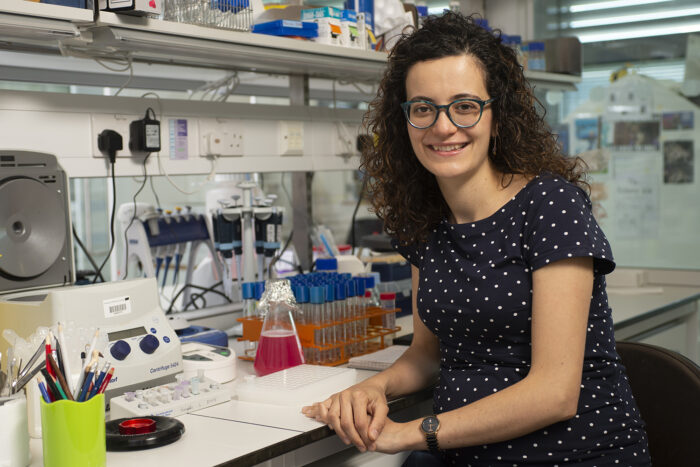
(357, 415)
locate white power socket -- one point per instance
(222, 144)
(218, 138)
(290, 138)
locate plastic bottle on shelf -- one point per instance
(515, 42)
(536, 57)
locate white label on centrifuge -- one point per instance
(116, 307)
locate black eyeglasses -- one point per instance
(463, 113)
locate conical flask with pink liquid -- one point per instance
(279, 346)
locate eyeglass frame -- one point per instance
(406, 105)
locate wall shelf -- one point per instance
(154, 41)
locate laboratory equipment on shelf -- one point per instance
(156, 240)
(245, 229)
(334, 318)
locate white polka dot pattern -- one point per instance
(475, 294)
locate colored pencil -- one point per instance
(103, 387)
(63, 384)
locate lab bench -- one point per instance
(238, 433)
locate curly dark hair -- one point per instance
(402, 192)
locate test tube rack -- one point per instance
(309, 334)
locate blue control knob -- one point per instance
(120, 350)
(149, 344)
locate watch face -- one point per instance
(430, 424)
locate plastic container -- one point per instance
(536, 58)
(74, 433)
(326, 265)
(14, 438)
(279, 346)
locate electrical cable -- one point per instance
(87, 254)
(111, 225)
(133, 217)
(204, 291)
(279, 255)
(154, 191)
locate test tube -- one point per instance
(361, 313)
(331, 337)
(317, 300)
(304, 315)
(388, 302)
(248, 292)
(340, 312)
(351, 315)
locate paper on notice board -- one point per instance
(636, 196)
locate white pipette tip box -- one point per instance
(299, 385)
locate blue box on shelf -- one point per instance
(284, 27)
(71, 3)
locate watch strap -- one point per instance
(431, 439)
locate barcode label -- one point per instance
(116, 307)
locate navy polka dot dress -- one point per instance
(475, 295)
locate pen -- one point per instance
(90, 351)
(64, 351)
(43, 391)
(47, 347)
(62, 384)
(89, 371)
(102, 389)
(83, 373)
(100, 378)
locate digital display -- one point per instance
(126, 333)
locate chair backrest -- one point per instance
(666, 386)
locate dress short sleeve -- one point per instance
(561, 225)
(412, 252)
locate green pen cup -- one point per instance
(73, 433)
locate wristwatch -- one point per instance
(430, 426)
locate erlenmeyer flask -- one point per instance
(279, 346)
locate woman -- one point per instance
(508, 265)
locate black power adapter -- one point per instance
(144, 134)
(109, 142)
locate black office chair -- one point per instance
(666, 386)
